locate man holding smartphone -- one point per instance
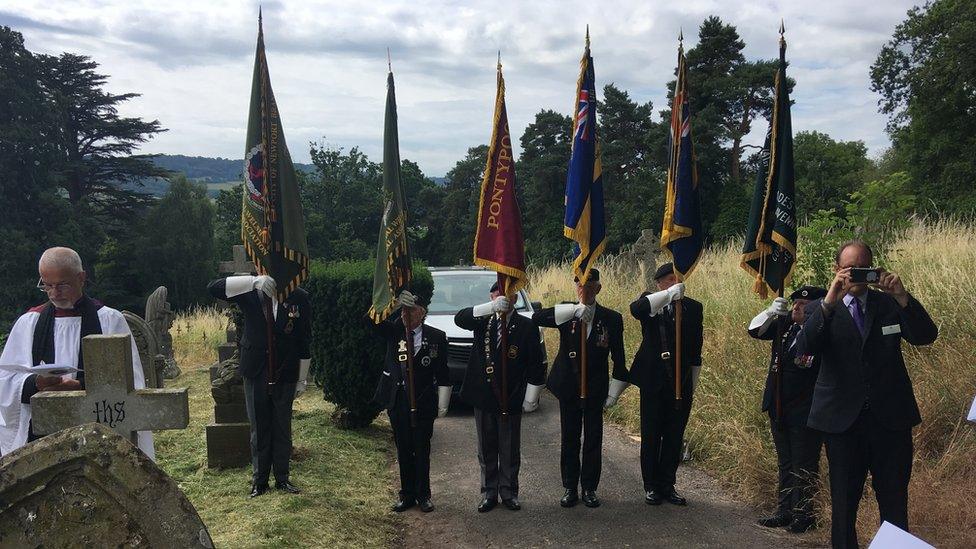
(863, 400)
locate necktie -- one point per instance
(858, 315)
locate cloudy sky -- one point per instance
(192, 63)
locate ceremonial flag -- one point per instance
(393, 269)
(584, 221)
(681, 234)
(272, 226)
(498, 242)
(770, 246)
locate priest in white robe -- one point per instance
(51, 333)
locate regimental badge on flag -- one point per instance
(585, 222)
(681, 233)
(272, 226)
(393, 269)
(498, 242)
(769, 251)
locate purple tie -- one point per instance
(858, 315)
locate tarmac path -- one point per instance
(711, 519)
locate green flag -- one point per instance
(272, 226)
(392, 257)
(770, 246)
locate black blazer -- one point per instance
(856, 372)
(292, 332)
(799, 376)
(525, 363)
(429, 366)
(606, 340)
(648, 371)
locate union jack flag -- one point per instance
(582, 115)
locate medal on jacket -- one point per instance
(603, 336)
(402, 352)
(292, 315)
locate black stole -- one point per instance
(43, 346)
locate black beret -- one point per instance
(808, 292)
(494, 288)
(594, 276)
(663, 271)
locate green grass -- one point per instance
(345, 475)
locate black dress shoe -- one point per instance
(288, 487)
(258, 490)
(653, 498)
(511, 504)
(590, 499)
(674, 498)
(403, 505)
(487, 504)
(426, 506)
(778, 520)
(801, 525)
(570, 499)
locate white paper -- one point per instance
(43, 369)
(893, 537)
(972, 412)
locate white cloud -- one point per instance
(192, 63)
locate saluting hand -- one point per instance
(890, 283)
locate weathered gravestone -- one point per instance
(641, 256)
(228, 437)
(160, 316)
(109, 397)
(87, 486)
(148, 347)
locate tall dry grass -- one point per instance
(730, 436)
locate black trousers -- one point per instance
(575, 421)
(270, 417)
(499, 453)
(413, 449)
(798, 459)
(662, 431)
(868, 446)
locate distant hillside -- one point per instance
(216, 173)
(210, 170)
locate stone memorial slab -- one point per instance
(109, 397)
(87, 486)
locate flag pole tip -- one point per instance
(681, 35)
(587, 35)
(389, 59)
(782, 27)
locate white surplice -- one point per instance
(14, 415)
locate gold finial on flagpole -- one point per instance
(499, 60)
(587, 36)
(389, 60)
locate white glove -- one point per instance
(303, 367)
(498, 305)
(764, 320)
(407, 299)
(616, 389)
(676, 291)
(531, 401)
(779, 307)
(658, 301)
(443, 400)
(266, 285)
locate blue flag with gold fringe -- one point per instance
(681, 233)
(585, 222)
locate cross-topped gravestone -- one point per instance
(240, 265)
(109, 397)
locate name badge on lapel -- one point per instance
(889, 330)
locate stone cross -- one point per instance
(240, 265)
(109, 397)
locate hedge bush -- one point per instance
(347, 359)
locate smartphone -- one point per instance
(865, 275)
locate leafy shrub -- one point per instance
(347, 359)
